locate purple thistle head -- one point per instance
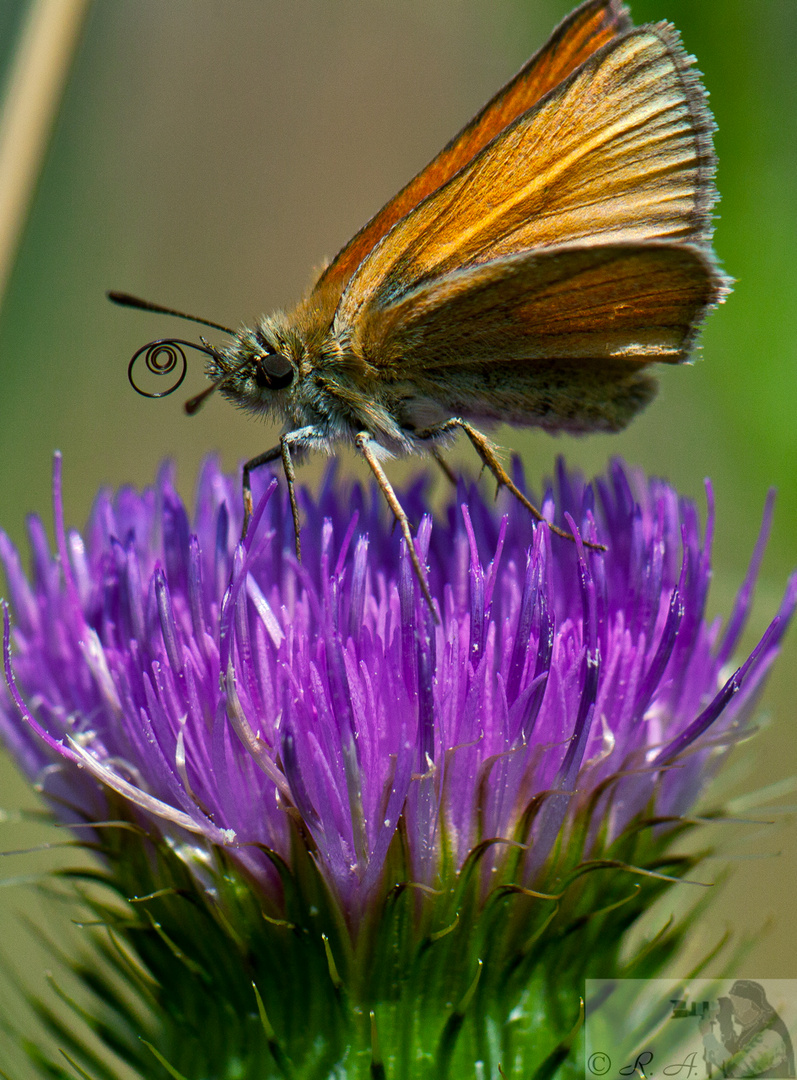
(223, 688)
(234, 700)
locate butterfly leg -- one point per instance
(365, 444)
(290, 479)
(283, 451)
(445, 467)
(249, 467)
(489, 456)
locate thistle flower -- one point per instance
(414, 839)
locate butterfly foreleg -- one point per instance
(365, 444)
(249, 467)
(281, 450)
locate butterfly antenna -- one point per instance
(170, 348)
(126, 300)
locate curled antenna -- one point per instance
(162, 357)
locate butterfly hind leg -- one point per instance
(489, 456)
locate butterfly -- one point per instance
(530, 274)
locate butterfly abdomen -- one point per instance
(555, 396)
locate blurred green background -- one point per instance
(209, 155)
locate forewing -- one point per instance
(631, 302)
(586, 29)
(619, 153)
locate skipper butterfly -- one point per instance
(530, 274)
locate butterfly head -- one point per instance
(257, 370)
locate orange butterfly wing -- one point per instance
(620, 152)
(557, 338)
(629, 302)
(585, 30)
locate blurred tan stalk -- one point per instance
(35, 84)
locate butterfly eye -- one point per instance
(273, 371)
